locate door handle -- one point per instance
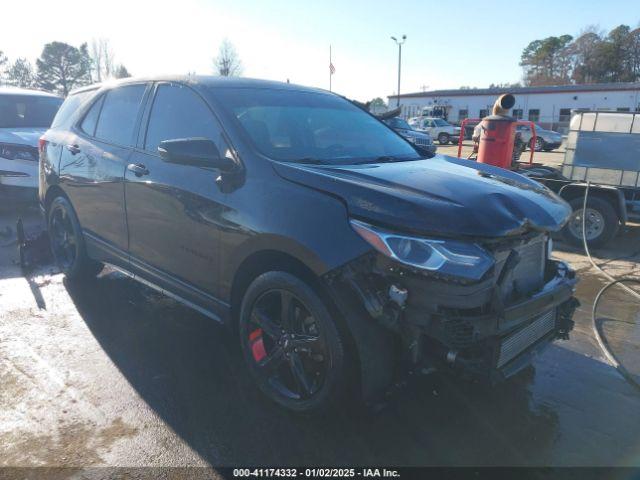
(73, 149)
(138, 169)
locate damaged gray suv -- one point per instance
(338, 250)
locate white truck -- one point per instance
(438, 128)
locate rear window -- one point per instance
(90, 120)
(119, 114)
(71, 105)
(33, 111)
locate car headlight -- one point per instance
(449, 257)
(411, 139)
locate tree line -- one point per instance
(62, 67)
(593, 57)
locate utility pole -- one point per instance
(399, 43)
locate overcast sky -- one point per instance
(449, 44)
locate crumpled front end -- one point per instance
(489, 327)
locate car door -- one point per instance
(430, 127)
(173, 211)
(92, 168)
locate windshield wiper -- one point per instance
(387, 159)
(308, 160)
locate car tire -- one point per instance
(443, 138)
(273, 345)
(603, 218)
(539, 145)
(67, 242)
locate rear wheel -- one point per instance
(67, 242)
(443, 138)
(602, 222)
(291, 344)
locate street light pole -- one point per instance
(399, 43)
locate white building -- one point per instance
(550, 106)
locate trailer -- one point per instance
(602, 150)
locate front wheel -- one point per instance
(67, 242)
(291, 344)
(443, 138)
(602, 222)
(538, 146)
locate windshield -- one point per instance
(400, 123)
(311, 127)
(32, 111)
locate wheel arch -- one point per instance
(263, 261)
(52, 193)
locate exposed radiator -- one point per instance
(514, 344)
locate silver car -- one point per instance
(546, 140)
(421, 139)
(24, 116)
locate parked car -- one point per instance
(421, 139)
(24, 117)
(546, 140)
(436, 127)
(330, 244)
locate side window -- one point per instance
(119, 113)
(70, 107)
(90, 120)
(178, 112)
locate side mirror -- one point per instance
(195, 152)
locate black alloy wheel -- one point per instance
(64, 242)
(291, 344)
(67, 243)
(287, 346)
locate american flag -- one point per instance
(332, 69)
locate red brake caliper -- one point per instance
(257, 345)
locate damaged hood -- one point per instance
(441, 195)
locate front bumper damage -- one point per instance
(489, 329)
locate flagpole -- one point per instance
(330, 67)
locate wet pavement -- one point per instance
(112, 373)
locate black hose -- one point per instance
(601, 342)
(612, 281)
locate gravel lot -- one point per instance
(111, 373)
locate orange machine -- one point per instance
(498, 134)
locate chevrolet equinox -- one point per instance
(337, 250)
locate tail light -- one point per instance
(42, 143)
(12, 151)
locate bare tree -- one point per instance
(227, 63)
(3, 63)
(21, 74)
(121, 72)
(103, 59)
